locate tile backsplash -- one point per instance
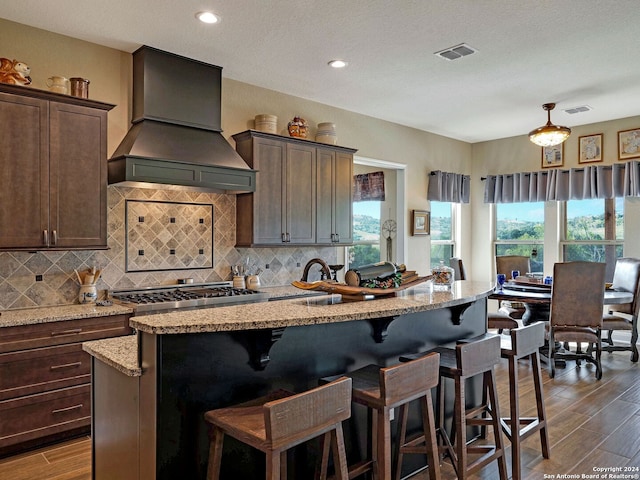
(168, 235)
(47, 278)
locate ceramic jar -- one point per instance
(253, 282)
(327, 133)
(87, 294)
(298, 127)
(266, 123)
(58, 84)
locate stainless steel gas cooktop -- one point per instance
(189, 296)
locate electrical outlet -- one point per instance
(38, 278)
(297, 264)
(267, 266)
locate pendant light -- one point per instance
(549, 134)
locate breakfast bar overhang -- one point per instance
(150, 392)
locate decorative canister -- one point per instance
(327, 133)
(87, 294)
(266, 123)
(79, 87)
(298, 127)
(443, 277)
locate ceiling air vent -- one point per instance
(453, 53)
(580, 109)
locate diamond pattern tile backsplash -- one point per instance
(168, 235)
(58, 285)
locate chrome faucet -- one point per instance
(325, 271)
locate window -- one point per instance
(520, 231)
(594, 231)
(442, 234)
(366, 234)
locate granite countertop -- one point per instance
(122, 352)
(30, 316)
(119, 352)
(307, 311)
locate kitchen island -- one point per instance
(150, 391)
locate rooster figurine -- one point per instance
(14, 72)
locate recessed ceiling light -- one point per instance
(338, 63)
(207, 17)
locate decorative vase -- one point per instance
(298, 127)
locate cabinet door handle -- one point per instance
(45, 235)
(66, 365)
(73, 331)
(67, 409)
(283, 237)
(288, 238)
(337, 237)
(54, 237)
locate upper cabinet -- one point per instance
(53, 159)
(303, 192)
(334, 204)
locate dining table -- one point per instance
(536, 299)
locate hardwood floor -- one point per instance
(591, 424)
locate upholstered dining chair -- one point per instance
(626, 277)
(506, 264)
(577, 301)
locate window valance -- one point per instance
(601, 181)
(448, 187)
(368, 186)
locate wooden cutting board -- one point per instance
(351, 293)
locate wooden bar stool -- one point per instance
(524, 342)
(469, 358)
(282, 420)
(381, 390)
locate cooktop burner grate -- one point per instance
(188, 296)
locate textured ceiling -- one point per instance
(572, 52)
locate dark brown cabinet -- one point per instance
(45, 378)
(53, 163)
(301, 187)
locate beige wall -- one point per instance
(517, 154)
(109, 71)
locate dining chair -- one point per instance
(507, 264)
(500, 320)
(626, 277)
(577, 301)
(459, 271)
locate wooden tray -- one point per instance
(354, 294)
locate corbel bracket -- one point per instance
(457, 313)
(258, 344)
(380, 326)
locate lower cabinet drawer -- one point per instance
(35, 416)
(43, 369)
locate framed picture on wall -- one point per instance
(629, 144)
(590, 148)
(553, 156)
(420, 222)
